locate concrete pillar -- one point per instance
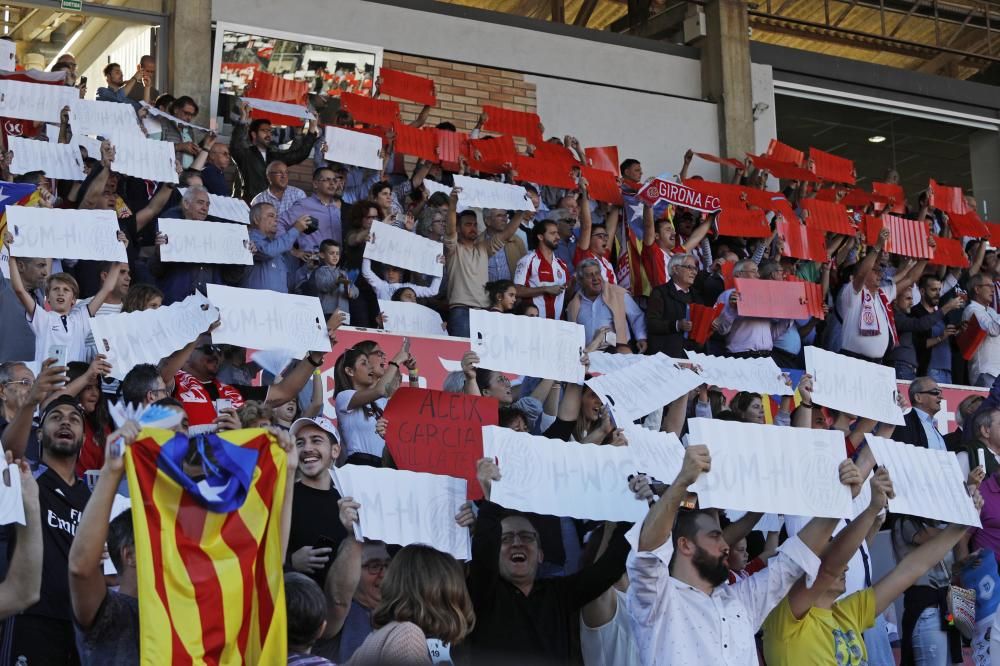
(189, 51)
(984, 158)
(725, 74)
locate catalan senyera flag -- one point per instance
(208, 549)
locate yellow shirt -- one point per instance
(824, 637)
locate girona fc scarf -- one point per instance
(208, 551)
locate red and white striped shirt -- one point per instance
(534, 270)
(654, 262)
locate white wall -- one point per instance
(130, 45)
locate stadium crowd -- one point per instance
(689, 586)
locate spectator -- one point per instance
(307, 611)
(985, 428)
(396, 279)
(911, 327)
(213, 176)
(118, 89)
(142, 297)
(595, 239)
(143, 385)
(659, 243)
(182, 134)
(921, 426)
(541, 276)
(324, 206)
(22, 584)
(361, 399)
(668, 309)
(984, 367)
(252, 151)
(18, 341)
(468, 254)
(328, 281)
(502, 295)
(85, 386)
(963, 418)
(145, 77)
(270, 270)
(279, 193)
(600, 303)
(502, 264)
(16, 380)
(934, 346)
(746, 337)
(375, 561)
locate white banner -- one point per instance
(853, 386)
(531, 346)
(149, 336)
(401, 507)
(758, 375)
(769, 522)
(35, 101)
(927, 482)
(89, 143)
(11, 502)
(264, 319)
(145, 158)
(771, 469)
(8, 52)
(601, 363)
(203, 242)
(399, 317)
(644, 387)
(404, 249)
(354, 148)
(657, 454)
(103, 119)
(57, 160)
(153, 111)
(65, 234)
(280, 108)
(226, 208)
(479, 193)
(557, 478)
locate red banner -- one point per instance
(909, 238)
(415, 141)
(832, 167)
(544, 171)
(603, 186)
(702, 317)
(515, 123)
(492, 155)
(728, 161)
(772, 299)
(949, 199)
(728, 270)
(827, 216)
(800, 241)
(407, 86)
(895, 194)
(743, 223)
(439, 433)
(449, 148)
(949, 252)
(604, 158)
(658, 190)
(785, 153)
(380, 112)
(968, 224)
(783, 170)
(277, 89)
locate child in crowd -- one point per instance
(328, 281)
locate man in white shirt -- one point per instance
(685, 613)
(868, 326)
(984, 366)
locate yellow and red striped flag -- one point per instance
(208, 550)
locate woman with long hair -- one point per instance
(361, 398)
(142, 297)
(357, 227)
(502, 295)
(424, 602)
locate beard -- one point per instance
(712, 569)
(61, 449)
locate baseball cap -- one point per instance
(61, 400)
(320, 422)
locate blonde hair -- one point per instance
(426, 587)
(66, 279)
(253, 410)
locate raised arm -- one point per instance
(106, 288)
(816, 533)
(151, 210)
(17, 284)
(868, 263)
(648, 226)
(659, 522)
(289, 386)
(345, 573)
(586, 219)
(21, 587)
(697, 235)
(918, 562)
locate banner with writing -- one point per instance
(657, 454)
(758, 375)
(853, 386)
(401, 317)
(479, 193)
(56, 160)
(103, 119)
(354, 148)
(404, 249)
(68, 234)
(262, 319)
(203, 242)
(661, 381)
(35, 101)
(530, 346)
(658, 190)
(145, 158)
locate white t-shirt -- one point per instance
(611, 643)
(51, 329)
(357, 432)
(849, 306)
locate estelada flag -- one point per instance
(208, 550)
(16, 194)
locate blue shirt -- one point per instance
(269, 270)
(934, 438)
(328, 217)
(105, 94)
(595, 313)
(291, 196)
(940, 358)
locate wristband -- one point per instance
(314, 363)
(807, 405)
(394, 364)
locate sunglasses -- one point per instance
(934, 392)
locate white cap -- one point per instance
(320, 422)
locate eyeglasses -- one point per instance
(527, 538)
(503, 379)
(21, 382)
(690, 267)
(375, 567)
(159, 392)
(935, 392)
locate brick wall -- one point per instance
(461, 92)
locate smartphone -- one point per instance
(223, 404)
(83, 81)
(610, 339)
(58, 352)
(326, 542)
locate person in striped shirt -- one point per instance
(540, 275)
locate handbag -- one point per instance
(962, 610)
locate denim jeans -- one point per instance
(905, 371)
(940, 376)
(458, 321)
(985, 380)
(930, 643)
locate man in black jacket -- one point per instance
(252, 150)
(519, 616)
(667, 312)
(920, 428)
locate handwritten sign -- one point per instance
(928, 483)
(771, 469)
(401, 507)
(479, 193)
(400, 317)
(280, 108)
(35, 101)
(263, 319)
(145, 158)
(601, 363)
(759, 375)
(405, 249)
(148, 336)
(153, 111)
(438, 432)
(658, 190)
(103, 119)
(557, 478)
(354, 148)
(202, 242)
(853, 386)
(57, 160)
(68, 234)
(661, 382)
(530, 346)
(226, 208)
(657, 454)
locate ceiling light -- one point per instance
(878, 138)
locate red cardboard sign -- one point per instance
(515, 123)
(728, 270)
(827, 216)
(800, 241)
(728, 161)
(544, 172)
(949, 252)
(971, 338)
(496, 154)
(783, 170)
(658, 190)
(553, 152)
(439, 433)
(968, 224)
(604, 158)
(785, 153)
(946, 198)
(743, 223)
(380, 112)
(832, 167)
(906, 237)
(415, 141)
(407, 86)
(449, 148)
(772, 299)
(702, 317)
(894, 193)
(603, 185)
(277, 89)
